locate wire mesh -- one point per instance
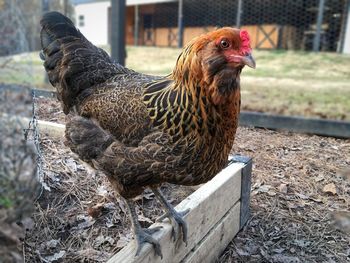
(277, 24)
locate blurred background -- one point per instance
(301, 46)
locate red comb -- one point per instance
(245, 41)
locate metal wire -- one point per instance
(273, 24)
(32, 133)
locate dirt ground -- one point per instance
(300, 199)
(300, 202)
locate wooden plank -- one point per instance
(44, 93)
(245, 192)
(215, 242)
(51, 128)
(207, 206)
(340, 129)
(45, 127)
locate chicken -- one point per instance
(142, 130)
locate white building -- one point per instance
(92, 17)
(92, 20)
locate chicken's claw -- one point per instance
(178, 217)
(143, 235)
(172, 214)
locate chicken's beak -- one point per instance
(248, 60)
(243, 60)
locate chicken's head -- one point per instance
(215, 61)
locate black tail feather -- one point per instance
(72, 63)
(54, 26)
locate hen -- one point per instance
(142, 130)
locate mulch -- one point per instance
(300, 199)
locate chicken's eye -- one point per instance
(224, 43)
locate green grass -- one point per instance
(284, 82)
(5, 202)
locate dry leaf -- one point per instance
(55, 257)
(278, 250)
(242, 252)
(100, 240)
(87, 221)
(283, 188)
(285, 259)
(102, 191)
(271, 193)
(319, 178)
(96, 210)
(71, 164)
(122, 206)
(110, 206)
(264, 188)
(302, 196)
(94, 255)
(330, 189)
(301, 243)
(142, 218)
(147, 194)
(52, 243)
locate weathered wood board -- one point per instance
(213, 221)
(45, 127)
(208, 249)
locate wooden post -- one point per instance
(346, 39)
(118, 31)
(136, 25)
(317, 38)
(239, 13)
(45, 6)
(65, 7)
(180, 25)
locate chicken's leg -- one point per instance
(143, 235)
(172, 214)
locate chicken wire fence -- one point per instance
(316, 25)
